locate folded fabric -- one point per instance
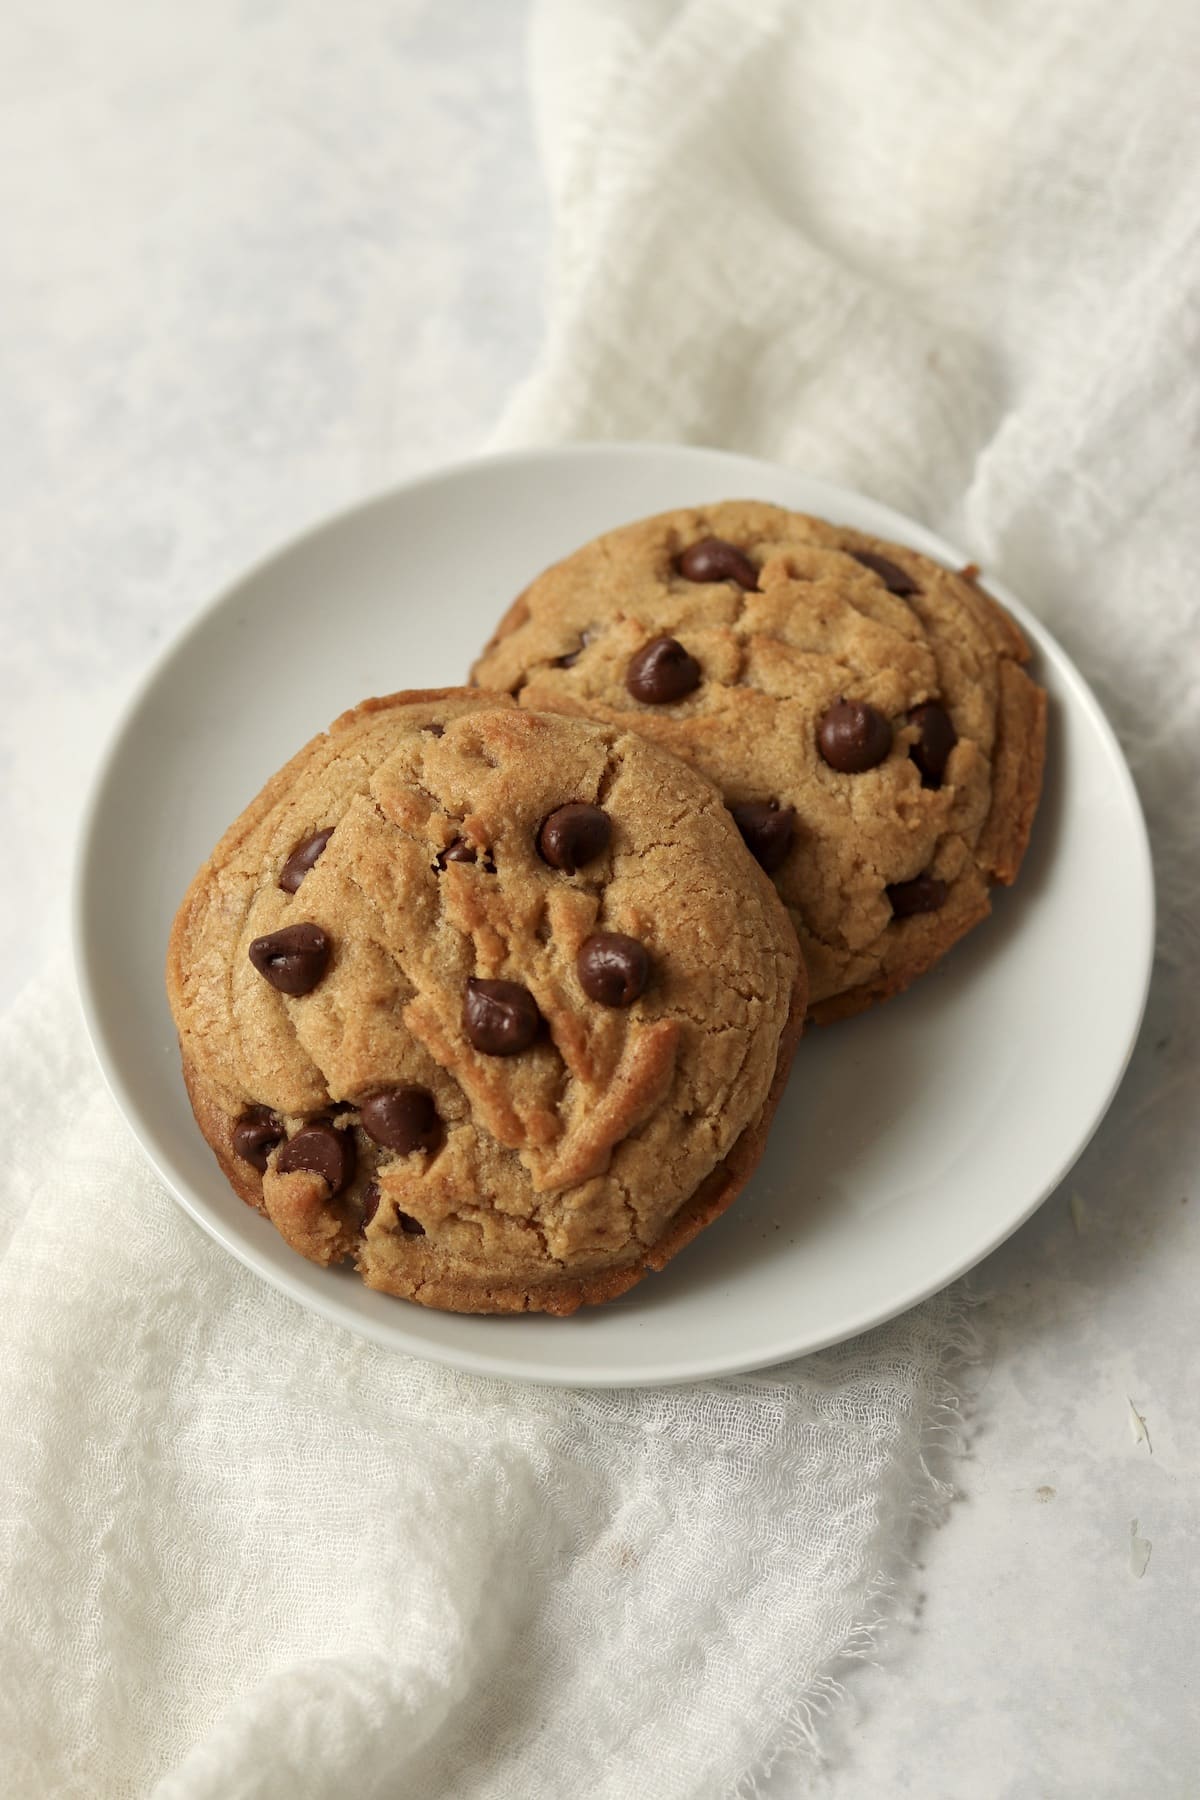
(943, 253)
(244, 1546)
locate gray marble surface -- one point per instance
(257, 261)
(261, 259)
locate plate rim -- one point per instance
(496, 1365)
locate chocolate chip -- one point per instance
(500, 1017)
(895, 579)
(434, 729)
(712, 559)
(931, 752)
(613, 969)
(292, 960)
(853, 736)
(572, 656)
(925, 894)
(461, 851)
(768, 829)
(320, 1150)
(458, 851)
(662, 671)
(574, 834)
(302, 859)
(401, 1118)
(256, 1134)
(409, 1226)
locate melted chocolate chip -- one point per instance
(462, 852)
(370, 1202)
(574, 834)
(409, 1226)
(434, 729)
(853, 736)
(613, 969)
(323, 1151)
(662, 671)
(458, 851)
(767, 828)
(401, 1119)
(895, 579)
(500, 1017)
(292, 960)
(572, 656)
(925, 894)
(255, 1136)
(302, 859)
(931, 752)
(712, 559)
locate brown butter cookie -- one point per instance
(490, 1002)
(864, 711)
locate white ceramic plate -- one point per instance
(911, 1141)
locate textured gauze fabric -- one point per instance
(944, 253)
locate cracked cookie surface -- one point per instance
(864, 711)
(491, 1003)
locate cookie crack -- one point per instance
(539, 1231)
(634, 1235)
(613, 763)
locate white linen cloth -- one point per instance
(241, 1546)
(943, 252)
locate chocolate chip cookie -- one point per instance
(492, 1004)
(864, 711)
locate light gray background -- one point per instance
(258, 260)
